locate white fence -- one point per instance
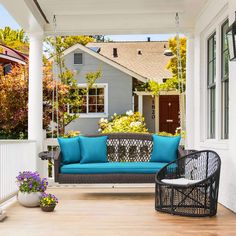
(15, 156)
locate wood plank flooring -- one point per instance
(110, 212)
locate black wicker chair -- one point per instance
(189, 185)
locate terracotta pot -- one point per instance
(29, 199)
(47, 208)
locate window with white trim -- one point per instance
(224, 82)
(94, 101)
(211, 84)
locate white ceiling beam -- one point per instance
(119, 24)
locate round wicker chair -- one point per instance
(189, 185)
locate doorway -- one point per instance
(169, 115)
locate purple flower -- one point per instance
(29, 181)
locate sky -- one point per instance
(7, 20)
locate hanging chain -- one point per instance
(180, 75)
(55, 80)
(179, 61)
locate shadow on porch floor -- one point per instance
(110, 211)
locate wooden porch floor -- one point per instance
(110, 212)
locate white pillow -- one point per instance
(180, 181)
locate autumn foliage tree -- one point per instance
(14, 100)
(14, 86)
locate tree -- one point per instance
(14, 86)
(173, 83)
(73, 99)
(14, 100)
(68, 96)
(15, 39)
(64, 42)
(172, 65)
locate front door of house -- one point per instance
(168, 113)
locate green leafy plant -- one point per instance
(129, 122)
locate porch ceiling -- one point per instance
(110, 17)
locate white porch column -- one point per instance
(35, 102)
(190, 92)
(140, 104)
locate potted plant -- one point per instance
(30, 188)
(48, 202)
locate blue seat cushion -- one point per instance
(93, 149)
(113, 167)
(165, 149)
(70, 149)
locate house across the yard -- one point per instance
(9, 57)
(126, 67)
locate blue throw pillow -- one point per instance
(93, 149)
(70, 150)
(165, 148)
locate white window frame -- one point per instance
(223, 101)
(214, 26)
(210, 87)
(74, 58)
(96, 115)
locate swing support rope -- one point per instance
(180, 75)
(55, 85)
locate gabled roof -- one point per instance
(10, 55)
(105, 59)
(145, 58)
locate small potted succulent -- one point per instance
(48, 202)
(30, 188)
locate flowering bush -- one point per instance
(30, 182)
(48, 199)
(71, 134)
(129, 122)
(178, 132)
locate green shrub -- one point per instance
(71, 134)
(126, 123)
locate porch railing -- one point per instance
(15, 156)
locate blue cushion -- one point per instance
(113, 167)
(165, 149)
(93, 149)
(70, 149)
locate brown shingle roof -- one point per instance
(151, 63)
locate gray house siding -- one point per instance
(119, 89)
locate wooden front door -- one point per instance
(168, 113)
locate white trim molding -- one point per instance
(214, 26)
(96, 115)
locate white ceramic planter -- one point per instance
(29, 199)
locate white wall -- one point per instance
(15, 156)
(210, 20)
